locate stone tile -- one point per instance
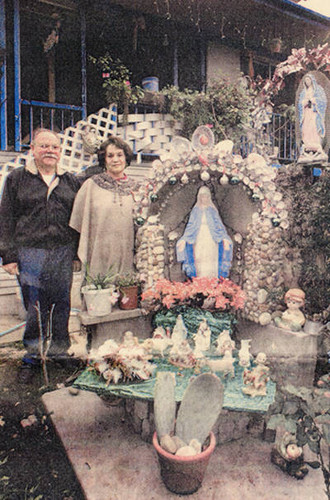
(113, 463)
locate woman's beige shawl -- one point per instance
(103, 215)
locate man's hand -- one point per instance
(76, 266)
(11, 268)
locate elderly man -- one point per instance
(37, 245)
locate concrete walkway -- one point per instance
(113, 463)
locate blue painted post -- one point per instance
(17, 76)
(83, 61)
(3, 78)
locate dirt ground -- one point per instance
(33, 464)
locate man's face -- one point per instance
(46, 151)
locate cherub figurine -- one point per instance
(292, 319)
(256, 379)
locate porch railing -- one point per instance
(279, 136)
(54, 116)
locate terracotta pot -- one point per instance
(183, 475)
(128, 297)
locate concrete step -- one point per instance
(6, 156)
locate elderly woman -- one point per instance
(102, 212)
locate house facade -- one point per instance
(47, 78)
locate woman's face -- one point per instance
(115, 161)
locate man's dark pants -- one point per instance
(45, 277)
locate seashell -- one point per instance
(224, 180)
(205, 176)
(186, 451)
(184, 179)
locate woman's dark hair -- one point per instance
(120, 144)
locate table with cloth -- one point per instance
(234, 399)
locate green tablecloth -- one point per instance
(234, 399)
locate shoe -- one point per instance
(26, 373)
(65, 360)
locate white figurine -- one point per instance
(256, 379)
(224, 365)
(159, 342)
(202, 338)
(224, 343)
(179, 331)
(244, 354)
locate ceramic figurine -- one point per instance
(292, 319)
(205, 249)
(288, 456)
(224, 365)
(255, 380)
(244, 354)
(159, 342)
(224, 343)
(179, 331)
(312, 105)
(202, 338)
(182, 355)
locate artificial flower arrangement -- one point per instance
(209, 293)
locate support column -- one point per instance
(203, 63)
(175, 63)
(83, 60)
(3, 78)
(17, 76)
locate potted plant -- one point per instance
(128, 286)
(184, 442)
(99, 292)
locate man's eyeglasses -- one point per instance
(48, 146)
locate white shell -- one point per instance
(224, 180)
(205, 176)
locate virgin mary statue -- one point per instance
(312, 106)
(205, 249)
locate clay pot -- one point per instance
(183, 475)
(128, 297)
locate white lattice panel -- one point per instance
(73, 156)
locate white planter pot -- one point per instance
(97, 301)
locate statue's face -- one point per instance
(308, 81)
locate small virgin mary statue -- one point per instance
(312, 104)
(205, 249)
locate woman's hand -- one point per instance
(226, 245)
(11, 268)
(181, 245)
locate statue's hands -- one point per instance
(181, 245)
(226, 245)
(11, 268)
